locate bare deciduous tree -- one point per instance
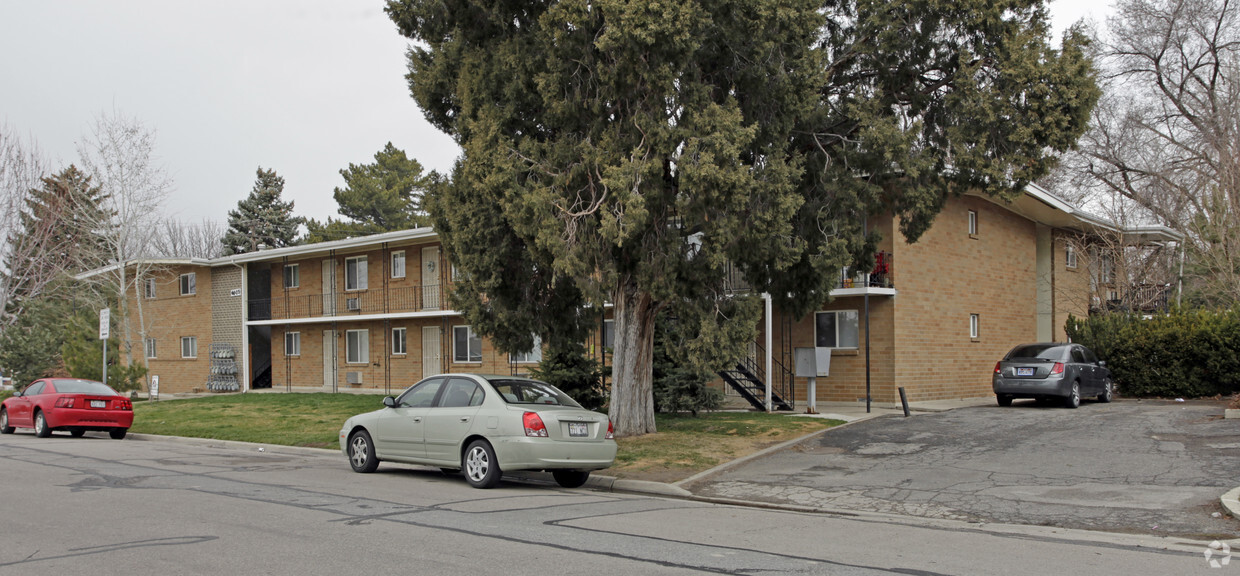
(21, 167)
(1166, 136)
(178, 239)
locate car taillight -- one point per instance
(1057, 368)
(997, 369)
(64, 402)
(534, 425)
(126, 404)
(611, 432)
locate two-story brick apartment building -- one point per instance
(372, 313)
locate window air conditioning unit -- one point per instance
(353, 377)
(353, 303)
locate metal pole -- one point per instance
(769, 351)
(867, 346)
(105, 360)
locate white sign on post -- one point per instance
(105, 316)
(154, 388)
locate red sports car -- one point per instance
(75, 406)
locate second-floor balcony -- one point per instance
(418, 298)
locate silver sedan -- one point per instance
(1048, 370)
(483, 425)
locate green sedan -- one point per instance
(483, 425)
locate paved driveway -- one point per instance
(1153, 467)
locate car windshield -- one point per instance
(532, 392)
(1039, 351)
(83, 387)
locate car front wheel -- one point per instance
(1108, 391)
(480, 466)
(570, 478)
(4, 422)
(362, 453)
(40, 425)
(118, 433)
(1074, 397)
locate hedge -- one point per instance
(1187, 353)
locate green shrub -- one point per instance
(570, 369)
(1187, 353)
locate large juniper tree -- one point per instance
(262, 218)
(624, 151)
(379, 197)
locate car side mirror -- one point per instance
(1102, 363)
(389, 401)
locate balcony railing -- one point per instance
(419, 298)
(1136, 298)
(879, 277)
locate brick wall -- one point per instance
(171, 316)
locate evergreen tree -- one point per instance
(633, 149)
(82, 353)
(262, 218)
(379, 197)
(30, 348)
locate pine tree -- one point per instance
(381, 197)
(262, 219)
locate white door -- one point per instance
(329, 358)
(430, 278)
(329, 287)
(431, 351)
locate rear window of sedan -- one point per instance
(530, 392)
(83, 387)
(1039, 351)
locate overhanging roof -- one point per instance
(1040, 205)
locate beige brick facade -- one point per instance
(171, 316)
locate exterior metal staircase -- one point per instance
(747, 379)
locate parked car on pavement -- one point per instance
(68, 404)
(1051, 370)
(483, 425)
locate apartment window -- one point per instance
(357, 346)
(456, 274)
(189, 284)
(150, 288)
(1071, 256)
(466, 346)
(534, 356)
(292, 343)
(398, 264)
(189, 347)
(1108, 268)
(836, 329)
(150, 347)
(292, 275)
(609, 334)
(400, 345)
(972, 223)
(355, 273)
(973, 322)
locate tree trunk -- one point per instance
(632, 389)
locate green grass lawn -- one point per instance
(683, 446)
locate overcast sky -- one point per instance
(301, 86)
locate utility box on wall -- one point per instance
(812, 362)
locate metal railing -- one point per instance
(416, 298)
(879, 277)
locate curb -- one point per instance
(1231, 502)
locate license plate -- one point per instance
(1024, 371)
(578, 429)
(98, 404)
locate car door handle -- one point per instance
(464, 418)
(417, 418)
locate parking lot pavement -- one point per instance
(1150, 467)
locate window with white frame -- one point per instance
(609, 334)
(398, 264)
(400, 344)
(972, 223)
(150, 288)
(1108, 268)
(292, 275)
(836, 329)
(1070, 252)
(189, 284)
(456, 274)
(973, 325)
(292, 343)
(355, 273)
(150, 347)
(189, 347)
(357, 346)
(533, 356)
(466, 346)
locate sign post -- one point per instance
(105, 317)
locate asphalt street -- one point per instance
(1142, 467)
(98, 506)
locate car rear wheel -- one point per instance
(77, 433)
(362, 453)
(480, 466)
(1004, 400)
(1108, 391)
(1074, 397)
(4, 422)
(40, 425)
(570, 478)
(118, 433)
